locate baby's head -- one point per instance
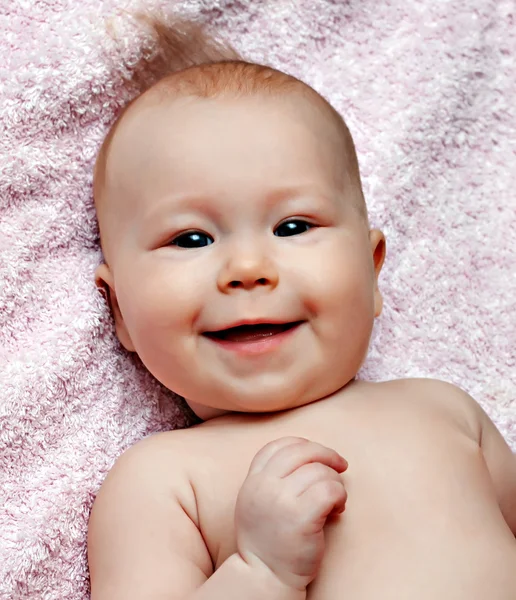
(239, 261)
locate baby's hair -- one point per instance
(189, 62)
(178, 44)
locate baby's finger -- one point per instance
(289, 458)
(308, 475)
(264, 455)
(322, 499)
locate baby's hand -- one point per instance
(292, 487)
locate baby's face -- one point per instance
(238, 213)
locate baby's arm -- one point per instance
(501, 462)
(142, 541)
(499, 459)
(145, 541)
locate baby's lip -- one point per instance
(251, 330)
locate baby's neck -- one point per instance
(206, 413)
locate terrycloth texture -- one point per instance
(428, 89)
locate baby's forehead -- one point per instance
(146, 114)
(157, 123)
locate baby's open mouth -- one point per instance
(251, 333)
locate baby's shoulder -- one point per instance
(156, 462)
(433, 397)
(146, 517)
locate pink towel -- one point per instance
(428, 89)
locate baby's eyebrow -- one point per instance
(208, 206)
(180, 203)
(288, 193)
(298, 192)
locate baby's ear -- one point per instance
(105, 283)
(377, 240)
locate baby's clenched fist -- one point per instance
(292, 487)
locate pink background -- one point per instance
(428, 89)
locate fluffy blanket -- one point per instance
(428, 89)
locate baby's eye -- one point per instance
(293, 227)
(192, 239)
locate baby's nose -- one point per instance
(247, 273)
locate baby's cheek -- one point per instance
(349, 307)
(346, 286)
(163, 304)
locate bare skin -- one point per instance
(431, 489)
(242, 271)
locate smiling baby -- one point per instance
(241, 268)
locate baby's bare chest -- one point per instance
(406, 475)
(421, 519)
(417, 494)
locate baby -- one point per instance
(241, 268)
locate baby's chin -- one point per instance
(264, 404)
(274, 395)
